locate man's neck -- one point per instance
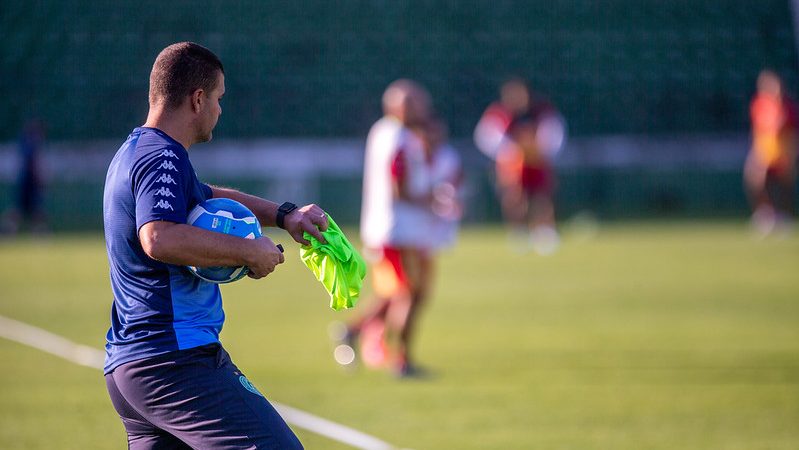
(172, 125)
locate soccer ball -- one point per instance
(229, 217)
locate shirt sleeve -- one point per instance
(161, 187)
(207, 191)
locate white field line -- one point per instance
(91, 357)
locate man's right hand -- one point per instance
(264, 258)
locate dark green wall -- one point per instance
(317, 68)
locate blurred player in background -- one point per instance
(396, 197)
(439, 219)
(770, 169)
(446, 178)
(28, 208)
(522, 134)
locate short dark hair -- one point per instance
(179, 70)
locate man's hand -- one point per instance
(310, 218)
(264, 258)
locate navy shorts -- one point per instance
(195, 398)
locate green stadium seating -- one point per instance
(317, 68)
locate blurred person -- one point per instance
(444, 211)
(30, 182)
(770, 168)
(396, 196)
(522, 133)
(527, 177)
(168, 376)
(438, 219)
(491, 138)
(446, 178)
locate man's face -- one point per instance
(769, 84)
(212, 110)
(417, 107)
(515, 97)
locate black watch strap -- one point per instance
(282, 211)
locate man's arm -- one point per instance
(310, 218)
(181, 244)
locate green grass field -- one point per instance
(647, 336)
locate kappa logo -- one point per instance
(166, 178)
(164, 191)
(249, 386)
(168, 166)
(163, 204)
(169, 154)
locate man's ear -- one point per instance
(197, 100)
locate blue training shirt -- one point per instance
(158, 307)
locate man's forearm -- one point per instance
(309, 219)
(264, 210)
(185, 245)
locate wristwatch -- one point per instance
(282, 211)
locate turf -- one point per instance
(642, 336)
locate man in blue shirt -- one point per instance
(169, 378)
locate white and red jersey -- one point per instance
(394, 153)
(491, 132)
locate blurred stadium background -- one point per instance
(654, 335)
(655, 93)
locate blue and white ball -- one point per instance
(226, 216)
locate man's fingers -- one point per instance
(321, 221)
(318, 224)
(258, 276)
(300, 238)
(311, 219)
(252, 275)
(313, 231)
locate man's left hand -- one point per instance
(310, 218)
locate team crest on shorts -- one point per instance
(249, 386)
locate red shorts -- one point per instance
(780, 172)
(538, 179)
(388, 272)
(393, 256)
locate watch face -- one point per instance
(282, 211)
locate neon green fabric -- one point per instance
(336, 264)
